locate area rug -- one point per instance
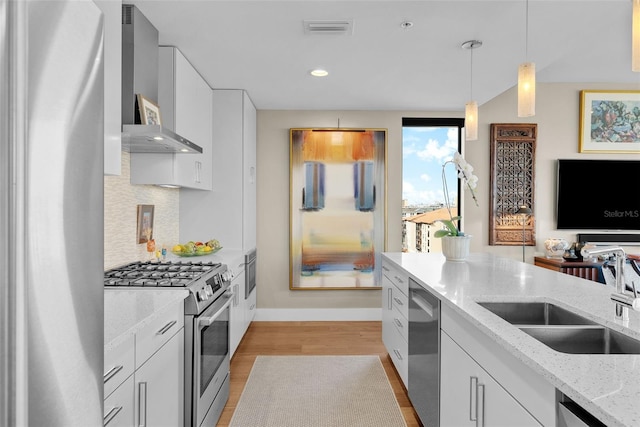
(317, 391)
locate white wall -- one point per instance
(273, 202)
(557, 118)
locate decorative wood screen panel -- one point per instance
(513, 149)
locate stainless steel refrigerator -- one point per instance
(51, 213)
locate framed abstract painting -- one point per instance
(337, 207)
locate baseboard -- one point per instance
(317, 314)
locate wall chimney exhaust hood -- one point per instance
(140, 76)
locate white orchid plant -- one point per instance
(469, 181)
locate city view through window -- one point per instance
(426, 145)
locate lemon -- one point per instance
(177, 248)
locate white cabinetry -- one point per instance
(479, 399)
(250, 308)
(237, 312)
(112, 11)
(119, 365)
(231, 207)
(483, 375)
(395, 324)
(185, 102)
(159, 393)
(144, 374)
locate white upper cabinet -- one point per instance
(249, 173)
(185, 101)
(231, 207)
(112, 11)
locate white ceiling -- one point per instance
(260, 46)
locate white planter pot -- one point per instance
(456, 248)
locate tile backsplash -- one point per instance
(121, 200)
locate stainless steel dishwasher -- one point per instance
(424, 354)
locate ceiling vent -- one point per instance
(340, 27)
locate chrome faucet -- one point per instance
(620, 297)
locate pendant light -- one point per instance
(635, 37)
(471, 107)
(527, 78)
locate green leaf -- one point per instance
(451, 230)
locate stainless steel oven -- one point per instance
(250, 273)
(209, 371)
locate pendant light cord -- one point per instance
(526, 32)
(471, 76)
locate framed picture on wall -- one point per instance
(337, 207)
(609, 121)
(145, 223)
(149, 111)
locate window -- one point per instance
(426, 144)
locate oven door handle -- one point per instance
(208, 321)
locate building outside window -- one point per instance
(426, 145)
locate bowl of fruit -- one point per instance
(196, 248)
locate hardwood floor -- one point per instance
(312, 338)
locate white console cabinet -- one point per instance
(185, 101)
(395, 313)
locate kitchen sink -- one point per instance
(563, 330)
(592, 339)
(535, 313)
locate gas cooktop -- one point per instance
(159, 274)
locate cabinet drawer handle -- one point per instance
(480, 405)
(399, 279)
(111, 415)
(252, 307)
(385, 268)
(398, 301)
(398, 355)
(142, 404)
(167, 327)
(389, 298)
(473, 400)
(398, 322)
(112, 373)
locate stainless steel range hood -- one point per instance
(140, 76)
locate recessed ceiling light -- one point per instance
(158, 138)
(319, 72)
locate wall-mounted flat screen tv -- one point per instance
(598, 194)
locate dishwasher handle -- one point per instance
(423, 303)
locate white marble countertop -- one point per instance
(608, 386)
(126, 311)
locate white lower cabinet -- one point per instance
(159, 386)
(250, 308)
(119, 407)
(476, 372)
(471, 397)
(144, 374)
(237, 312)
(395, 322)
